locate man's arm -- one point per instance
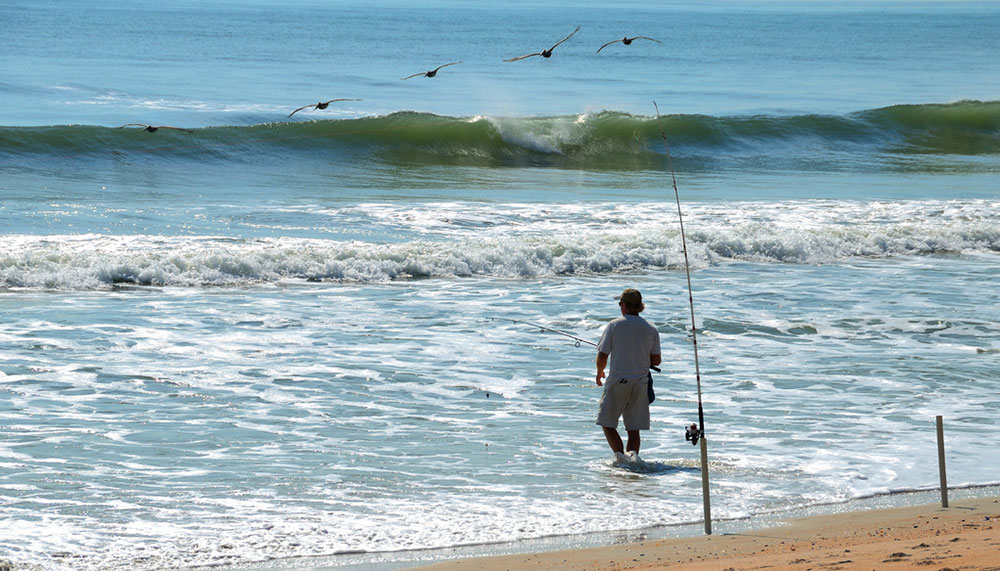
(654, 359)
(602, 362)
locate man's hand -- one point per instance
(602, 361)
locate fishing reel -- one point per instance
(692, 434)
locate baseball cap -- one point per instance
(630, 296)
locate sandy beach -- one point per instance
(963, 536)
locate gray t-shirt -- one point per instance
(629, 341)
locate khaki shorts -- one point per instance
(624, 398)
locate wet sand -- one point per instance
(965, 536)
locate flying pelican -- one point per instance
(627, 41)
(545, 53)
(432, 72)
(320, 105)
(153, 129)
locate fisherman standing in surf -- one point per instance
(633, 346)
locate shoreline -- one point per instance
(860, 530)
(965, 535)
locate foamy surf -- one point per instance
(462, 241)
(639, 465)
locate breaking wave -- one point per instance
(101, 261)
(605, 140)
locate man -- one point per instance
(633, 346)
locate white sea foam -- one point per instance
(514, 244)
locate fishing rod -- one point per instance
(551, 330)
(687, 269)
(578, 340)
(693, 433)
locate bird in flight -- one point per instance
(545, 53)
(627, 41)
(432, 72)
(153, 129)
(320, 105)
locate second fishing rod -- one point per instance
(575, 338)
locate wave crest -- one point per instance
(592, 141)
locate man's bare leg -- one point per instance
(633, 441)
(615, 439)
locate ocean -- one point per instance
(250, 338)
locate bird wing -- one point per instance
(175, 128)
(566, 38)
(446, 65)
(335, 100)
(524, 56)
(606, 45)
(414, 75)
(646, 38)
(133, 125)
(300, 109)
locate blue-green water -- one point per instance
(262, 337)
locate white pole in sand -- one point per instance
(704, 487)
(941, 469)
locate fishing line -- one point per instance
(692, 434)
